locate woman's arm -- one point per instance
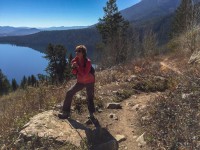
(84, 71)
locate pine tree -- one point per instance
(149, 43)
(68, 73)
(113, 29)
(42, 77)
(14, 85)
(183, 18)
(4, 84)
(24, 83)
(29, 81)
(33, 80)
(57, 62)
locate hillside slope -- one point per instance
(155, 14)
(155, 95)
(149, 9)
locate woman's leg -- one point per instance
(68, 99)
(90, 97)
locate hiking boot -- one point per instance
(64, 115)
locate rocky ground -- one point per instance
(118, 113)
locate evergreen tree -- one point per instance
(14, 85)
(23, 82)
(68, 73)
(183, 18)
(149, 43)
(33, 80)
(42, 77)
(57, 62)
(4, 84)
(113, 29)
(29, 81)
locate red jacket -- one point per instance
(83, 73)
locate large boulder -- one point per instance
(48, 125)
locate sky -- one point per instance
(48, 13)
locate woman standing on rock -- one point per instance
(81, 67)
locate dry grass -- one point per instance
(167, 113)
(16, 108)
(173, 118)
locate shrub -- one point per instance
(151, 84)
(174, 119)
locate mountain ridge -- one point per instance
(148, 9)
(149, 15)
(19, 31)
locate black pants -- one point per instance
(77, 87)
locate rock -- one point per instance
(29, 144)
(160, 78)
(18, 142)
(58, 106)
(185, 95)
(98, 109)
(198, 144)
(4, 147)
(114, 106)
(129, 104)
(120, 138)
(142, 107)
(114, 116)
(195, 58)
(140, 140)
(134, 137)
(114, 92)
(131, 78)
(46, 124)
(145, 118)
(136, 107)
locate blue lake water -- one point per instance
(16, 61)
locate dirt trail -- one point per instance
(127, 120)
(128, 116)
(166, 64)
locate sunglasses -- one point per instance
(78, 51)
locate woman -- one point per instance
(81, 67)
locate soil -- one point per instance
(126, 123)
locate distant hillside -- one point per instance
(149, 9)
(68, 38)
(63, 28)
(156, 14)
(17, 31)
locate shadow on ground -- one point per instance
(98, 138)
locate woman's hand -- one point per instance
(74, 65)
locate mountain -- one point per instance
(63, 28)
(149, 9)
(156, 14)
(68, 38)
(17, 31)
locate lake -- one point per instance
(16, 61)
